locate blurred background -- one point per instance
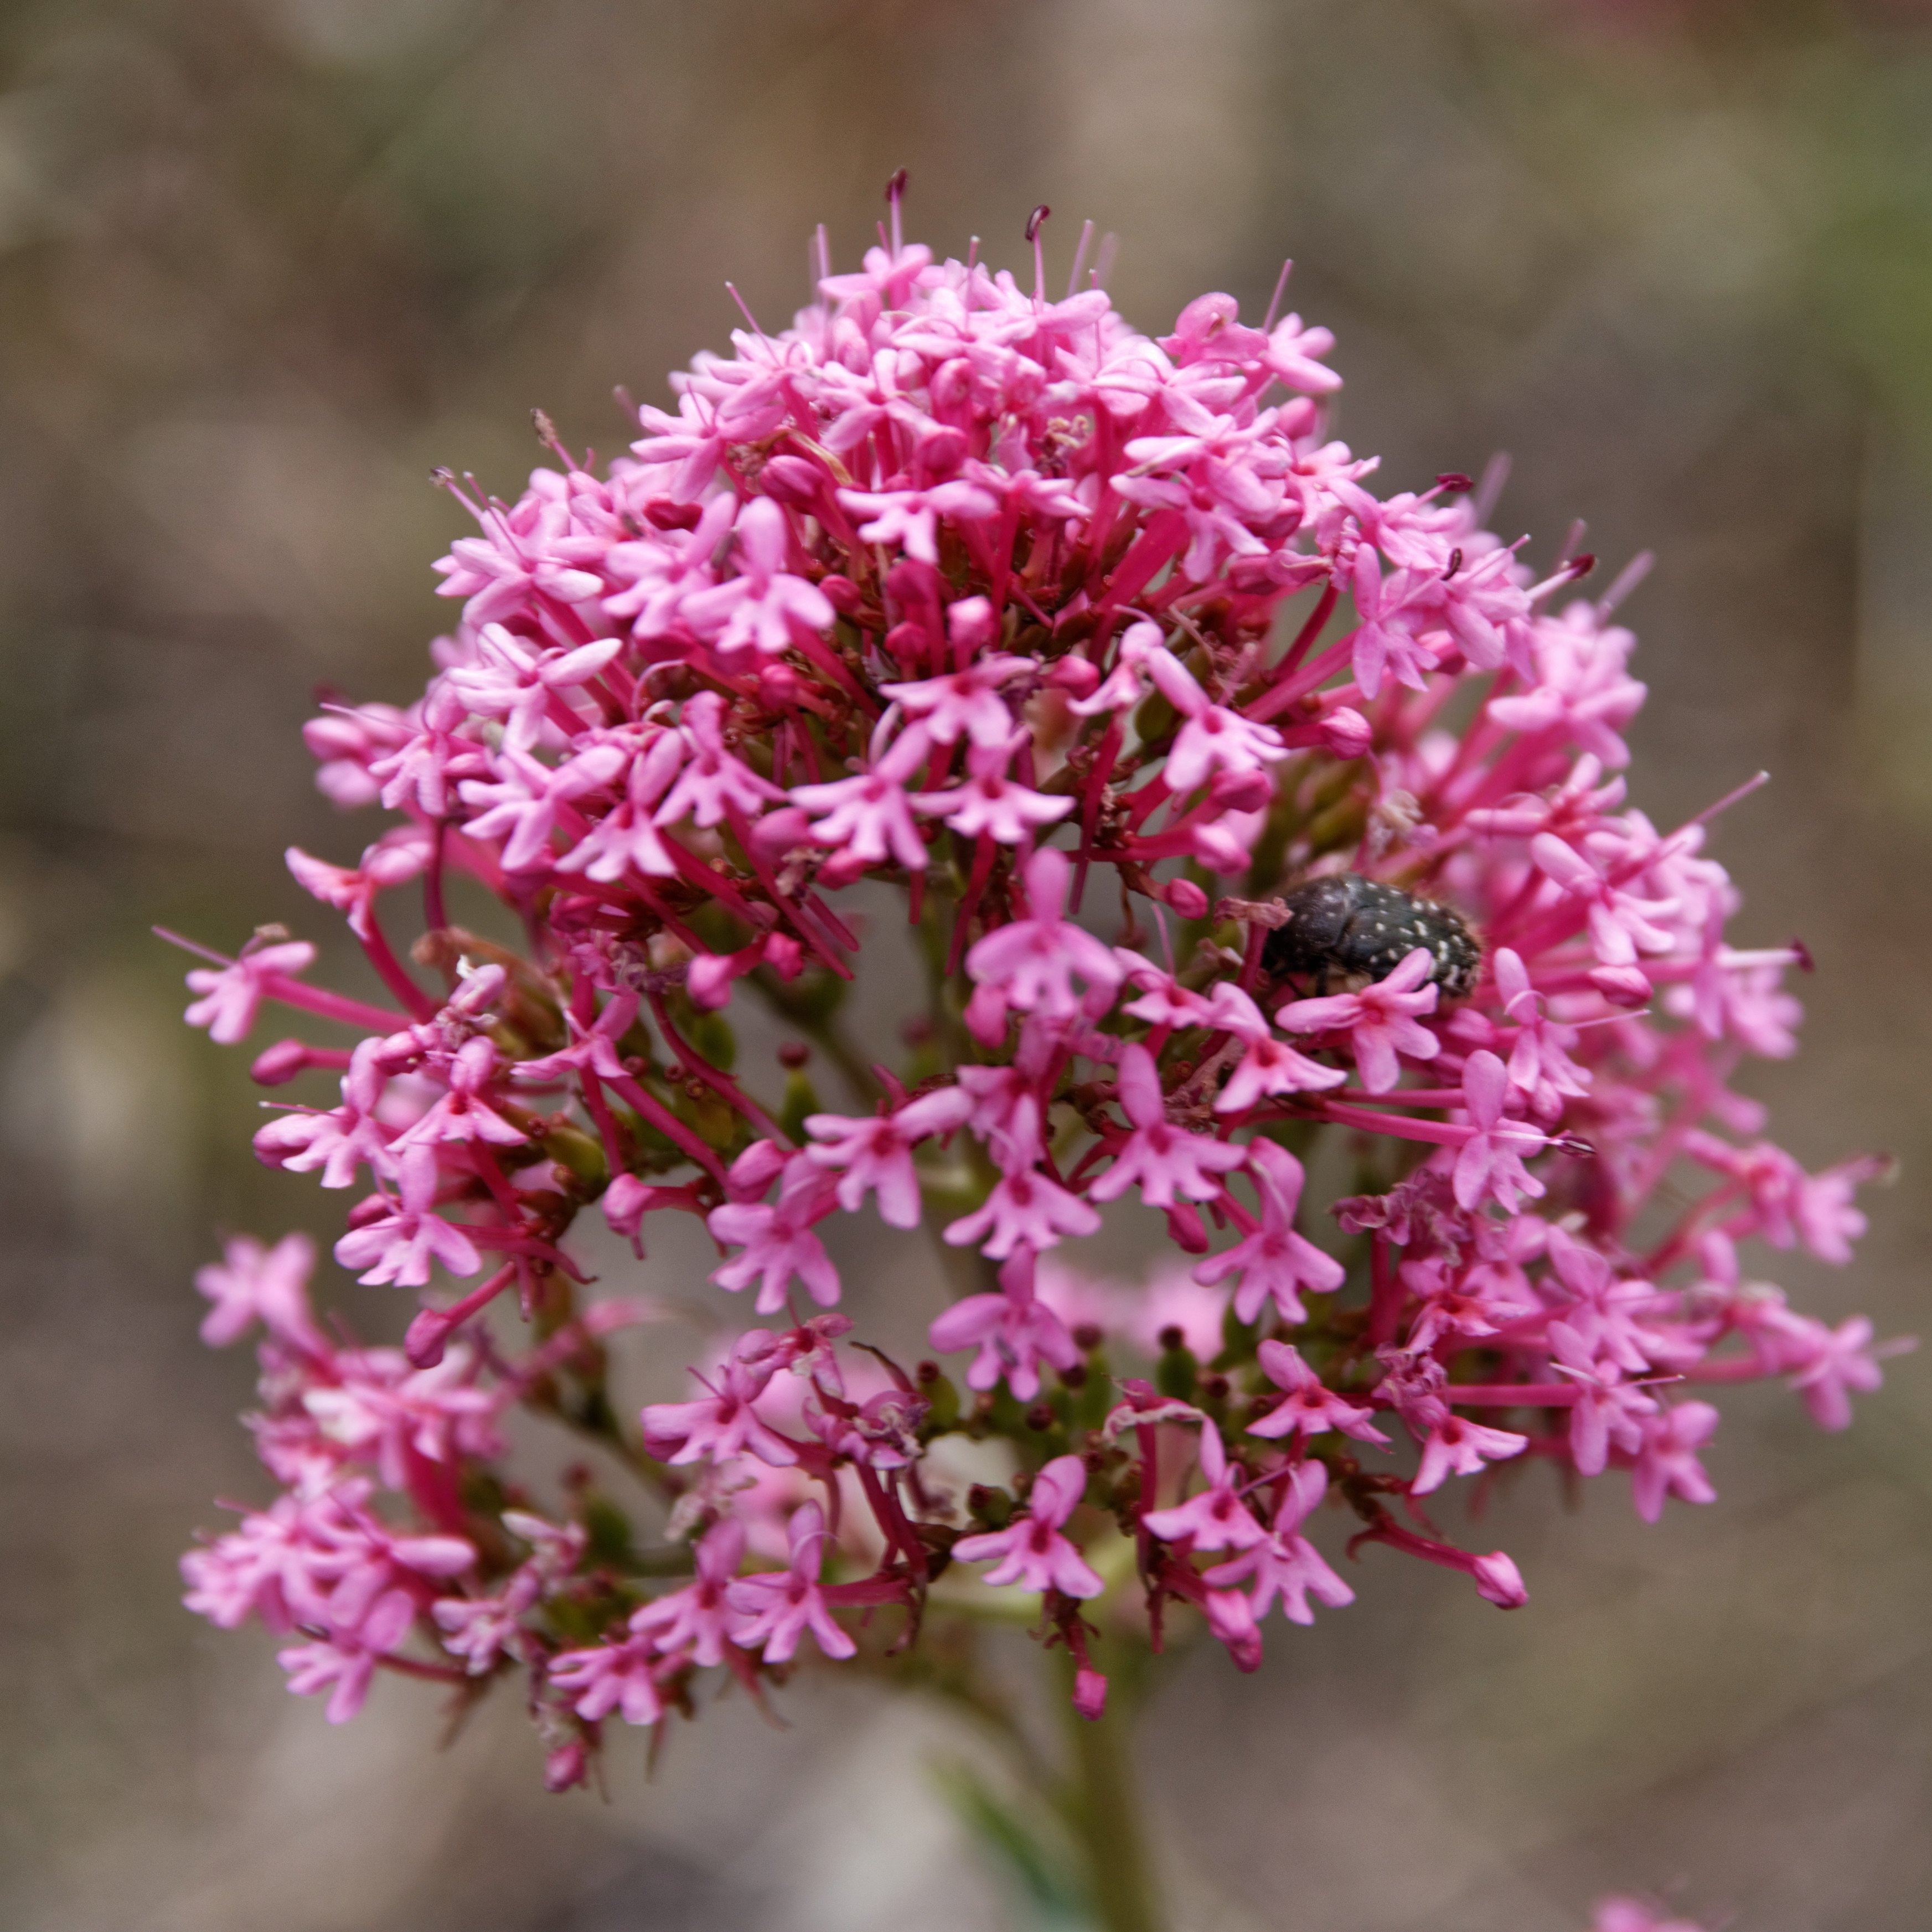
(263, 263)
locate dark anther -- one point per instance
(1041, 1416)
(1033, 221)
(1455, 564)
(896, 186)
(793, 1054)
(1215, 1388)
(1172, 1336)
(926, 1374)
(1454, 479)
(1806, 964)
(1088, 1335)
(1580, 565)
(1074, 1378)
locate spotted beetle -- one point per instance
(1348, 927)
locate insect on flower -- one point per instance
(1353, 927)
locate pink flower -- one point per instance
(1490, 1161)
(868, 817)
(713, 781)
(779, 1609)
(1032, 964)
(1378, 1019)
(1457, 1447)
(1267, 1067)
(965, 703)
(1026, 1209)
(1275, 1262)
(1032, 1552)
(232, 994)
(462, 1113)
(777, 1240)
(1211, 738)
(1161, 1159)
(621, 1677)
(1312, 1408)
(990, 804)
(517, 680)
(269, 1285)
(1284, 1564)
(699, 1620)
(1217, 1518)
(1667, 1461)
(1842, 1359)
(1607, 1409)
(876, 1153)
(1013, 1331)
(722, 1423)
(404, 1236)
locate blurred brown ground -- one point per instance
(264, 262)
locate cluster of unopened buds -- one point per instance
(1247, 823)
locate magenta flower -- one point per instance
(957, 625)
(1032, 1552)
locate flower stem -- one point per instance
(1100, 1804)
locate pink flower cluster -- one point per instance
(1090, 645)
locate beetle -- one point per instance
(1349, 927)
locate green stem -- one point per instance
(1100, 1803)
